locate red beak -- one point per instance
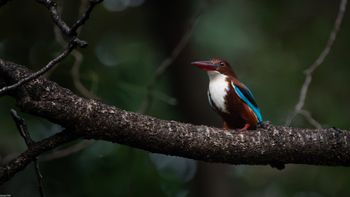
(205, 65)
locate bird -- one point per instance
(229, 97)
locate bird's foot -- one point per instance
(264, 125)
(337, 129)
(246, 126)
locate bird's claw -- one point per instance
(337, 129)
(264, 125)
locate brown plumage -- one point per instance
(230, 98)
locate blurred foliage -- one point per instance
(269, 44)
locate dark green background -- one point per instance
(269, 44)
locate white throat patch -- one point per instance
(218, 88)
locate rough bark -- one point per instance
(92, 119)
(9, 170)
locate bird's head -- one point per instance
(215, 66)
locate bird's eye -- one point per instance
(222, 64)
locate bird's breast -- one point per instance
(218, 89)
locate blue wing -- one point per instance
(246, 95)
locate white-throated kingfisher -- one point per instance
(230, 98)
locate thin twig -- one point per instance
(307, 115)
(20, 162)
(85, 16)
(69, 31)
(146, 105)
(43, 70)
(298, 109)
(57, 19)
(75, 73)
(77, 55)
(23, 130)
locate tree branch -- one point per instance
(299, 107)
(23, 130)
(74, 41)
(7, 171)
(91, 119)
(55, 15)
(75, 73)
(77, 55)
(71, 32)
(40, 72)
